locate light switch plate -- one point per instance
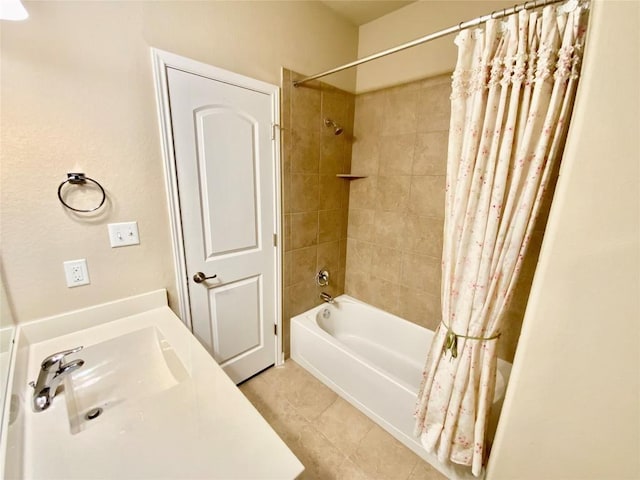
(123, 234)
(76, 273)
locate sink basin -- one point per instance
(118, 375)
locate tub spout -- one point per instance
(326, 297)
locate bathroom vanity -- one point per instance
(147, 402)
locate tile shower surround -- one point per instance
(381, 236)
(396, 214)
(315, 201)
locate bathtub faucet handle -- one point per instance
(322, 278)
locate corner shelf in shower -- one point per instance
(350, 176)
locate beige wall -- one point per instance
(77, 95)
(413, 21)
(572, 409)
(315, 201)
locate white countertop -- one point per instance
(201, 427)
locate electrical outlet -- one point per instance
(76, 273)
(123, 234)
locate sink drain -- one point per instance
(93, 413)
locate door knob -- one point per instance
(200, 277)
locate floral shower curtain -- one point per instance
(513, 89)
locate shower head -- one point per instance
(337, 129)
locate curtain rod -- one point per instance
(433, 36)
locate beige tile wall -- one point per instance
(315, 201)
(396, 214)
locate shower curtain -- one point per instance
(513, 89)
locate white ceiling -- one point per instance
(359, 12)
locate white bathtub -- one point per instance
(374, 360)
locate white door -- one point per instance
(225, 165)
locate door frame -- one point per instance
(162, 60)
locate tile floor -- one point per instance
(330, 437)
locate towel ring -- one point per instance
(80, 179)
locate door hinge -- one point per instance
(273, 130)
(275, 329)
(275, 239)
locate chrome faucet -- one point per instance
(52, 371)
(326, 297)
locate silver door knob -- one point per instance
(200, 277)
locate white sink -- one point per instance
(118, 375)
